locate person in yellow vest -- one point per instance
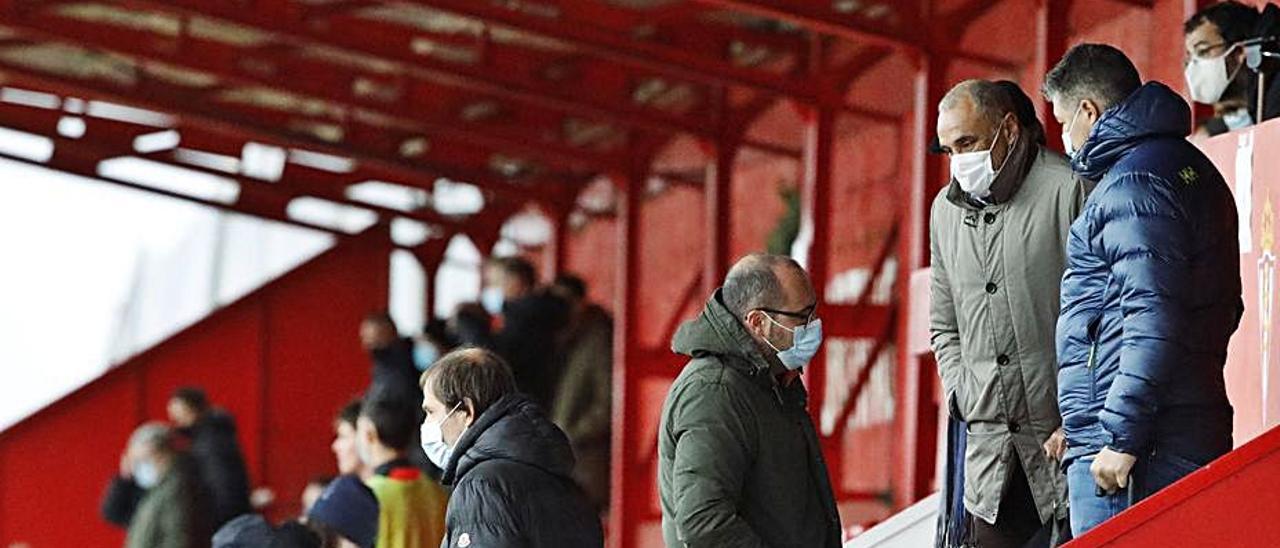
(411, 505)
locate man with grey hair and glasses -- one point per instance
(739, 463)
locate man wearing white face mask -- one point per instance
(739, 463)
(158, 495)
(1215, 69)
(528, 320)
(510, 467)
(998, 233)
(411, 505)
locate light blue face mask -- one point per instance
(146, 475)
(425, 354)
(492, 300)
(805, 341)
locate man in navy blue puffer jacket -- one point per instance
(1151, 294)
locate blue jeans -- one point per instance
(1150, 474)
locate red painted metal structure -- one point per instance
(655, 134)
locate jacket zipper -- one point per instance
(1093, 379)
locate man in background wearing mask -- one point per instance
(1152, 289)
(529, 320)
(1215, 64)
(509, 466)
(739, 462)
(997, 235)
(411, 505)
(158, 495)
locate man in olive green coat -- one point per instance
(998, 237)
(158, 495)
(738, 458)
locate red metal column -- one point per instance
(1052, 19)
(819, 155)
(553, 255)
(626, 506)
(912, 467)
(718, 201)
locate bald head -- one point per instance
(972, 115)
(766, 281)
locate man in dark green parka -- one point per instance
(738, 457)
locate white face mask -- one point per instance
(973, 170)
(433, 443)
(1067, 147)
(1207, 78)
(146, 474)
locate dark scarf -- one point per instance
(1016, 167)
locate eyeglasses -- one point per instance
(807, 313)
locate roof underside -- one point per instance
(527, 100)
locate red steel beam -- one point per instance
(614, 47)
(580, 100)
(823, 19)
(229, 64)
(192, 112)
(256, 197)
(626, 495)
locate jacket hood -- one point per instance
(513, 429)
(1153, 111)
(718, 332)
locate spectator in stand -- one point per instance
(394, 374)
(510, 467)
(312, 492)
(433, 342)
(347, 515)
(583, 404)
(1215, 68)
(344, 440)
(471, 325)
(412, 505)
(215, 449)
(529, 320)
(158, 495)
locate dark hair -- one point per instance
(1235, 21)
(1098, 72)
(193, 397)
(571, 284)
(437, 331)
(990, 100)
(350, 412)
(518, 267)
(393, 420)
(753, 283)
(381, 317)
(296, 535)
(1024, 109)
(473, 374)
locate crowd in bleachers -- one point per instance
(522, 450)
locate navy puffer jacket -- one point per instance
(1151, 294)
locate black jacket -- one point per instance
(220, 464)
(527, 341)
(510, 473)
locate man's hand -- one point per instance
(1111, 469)
(126, 466)
(1056, 445)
